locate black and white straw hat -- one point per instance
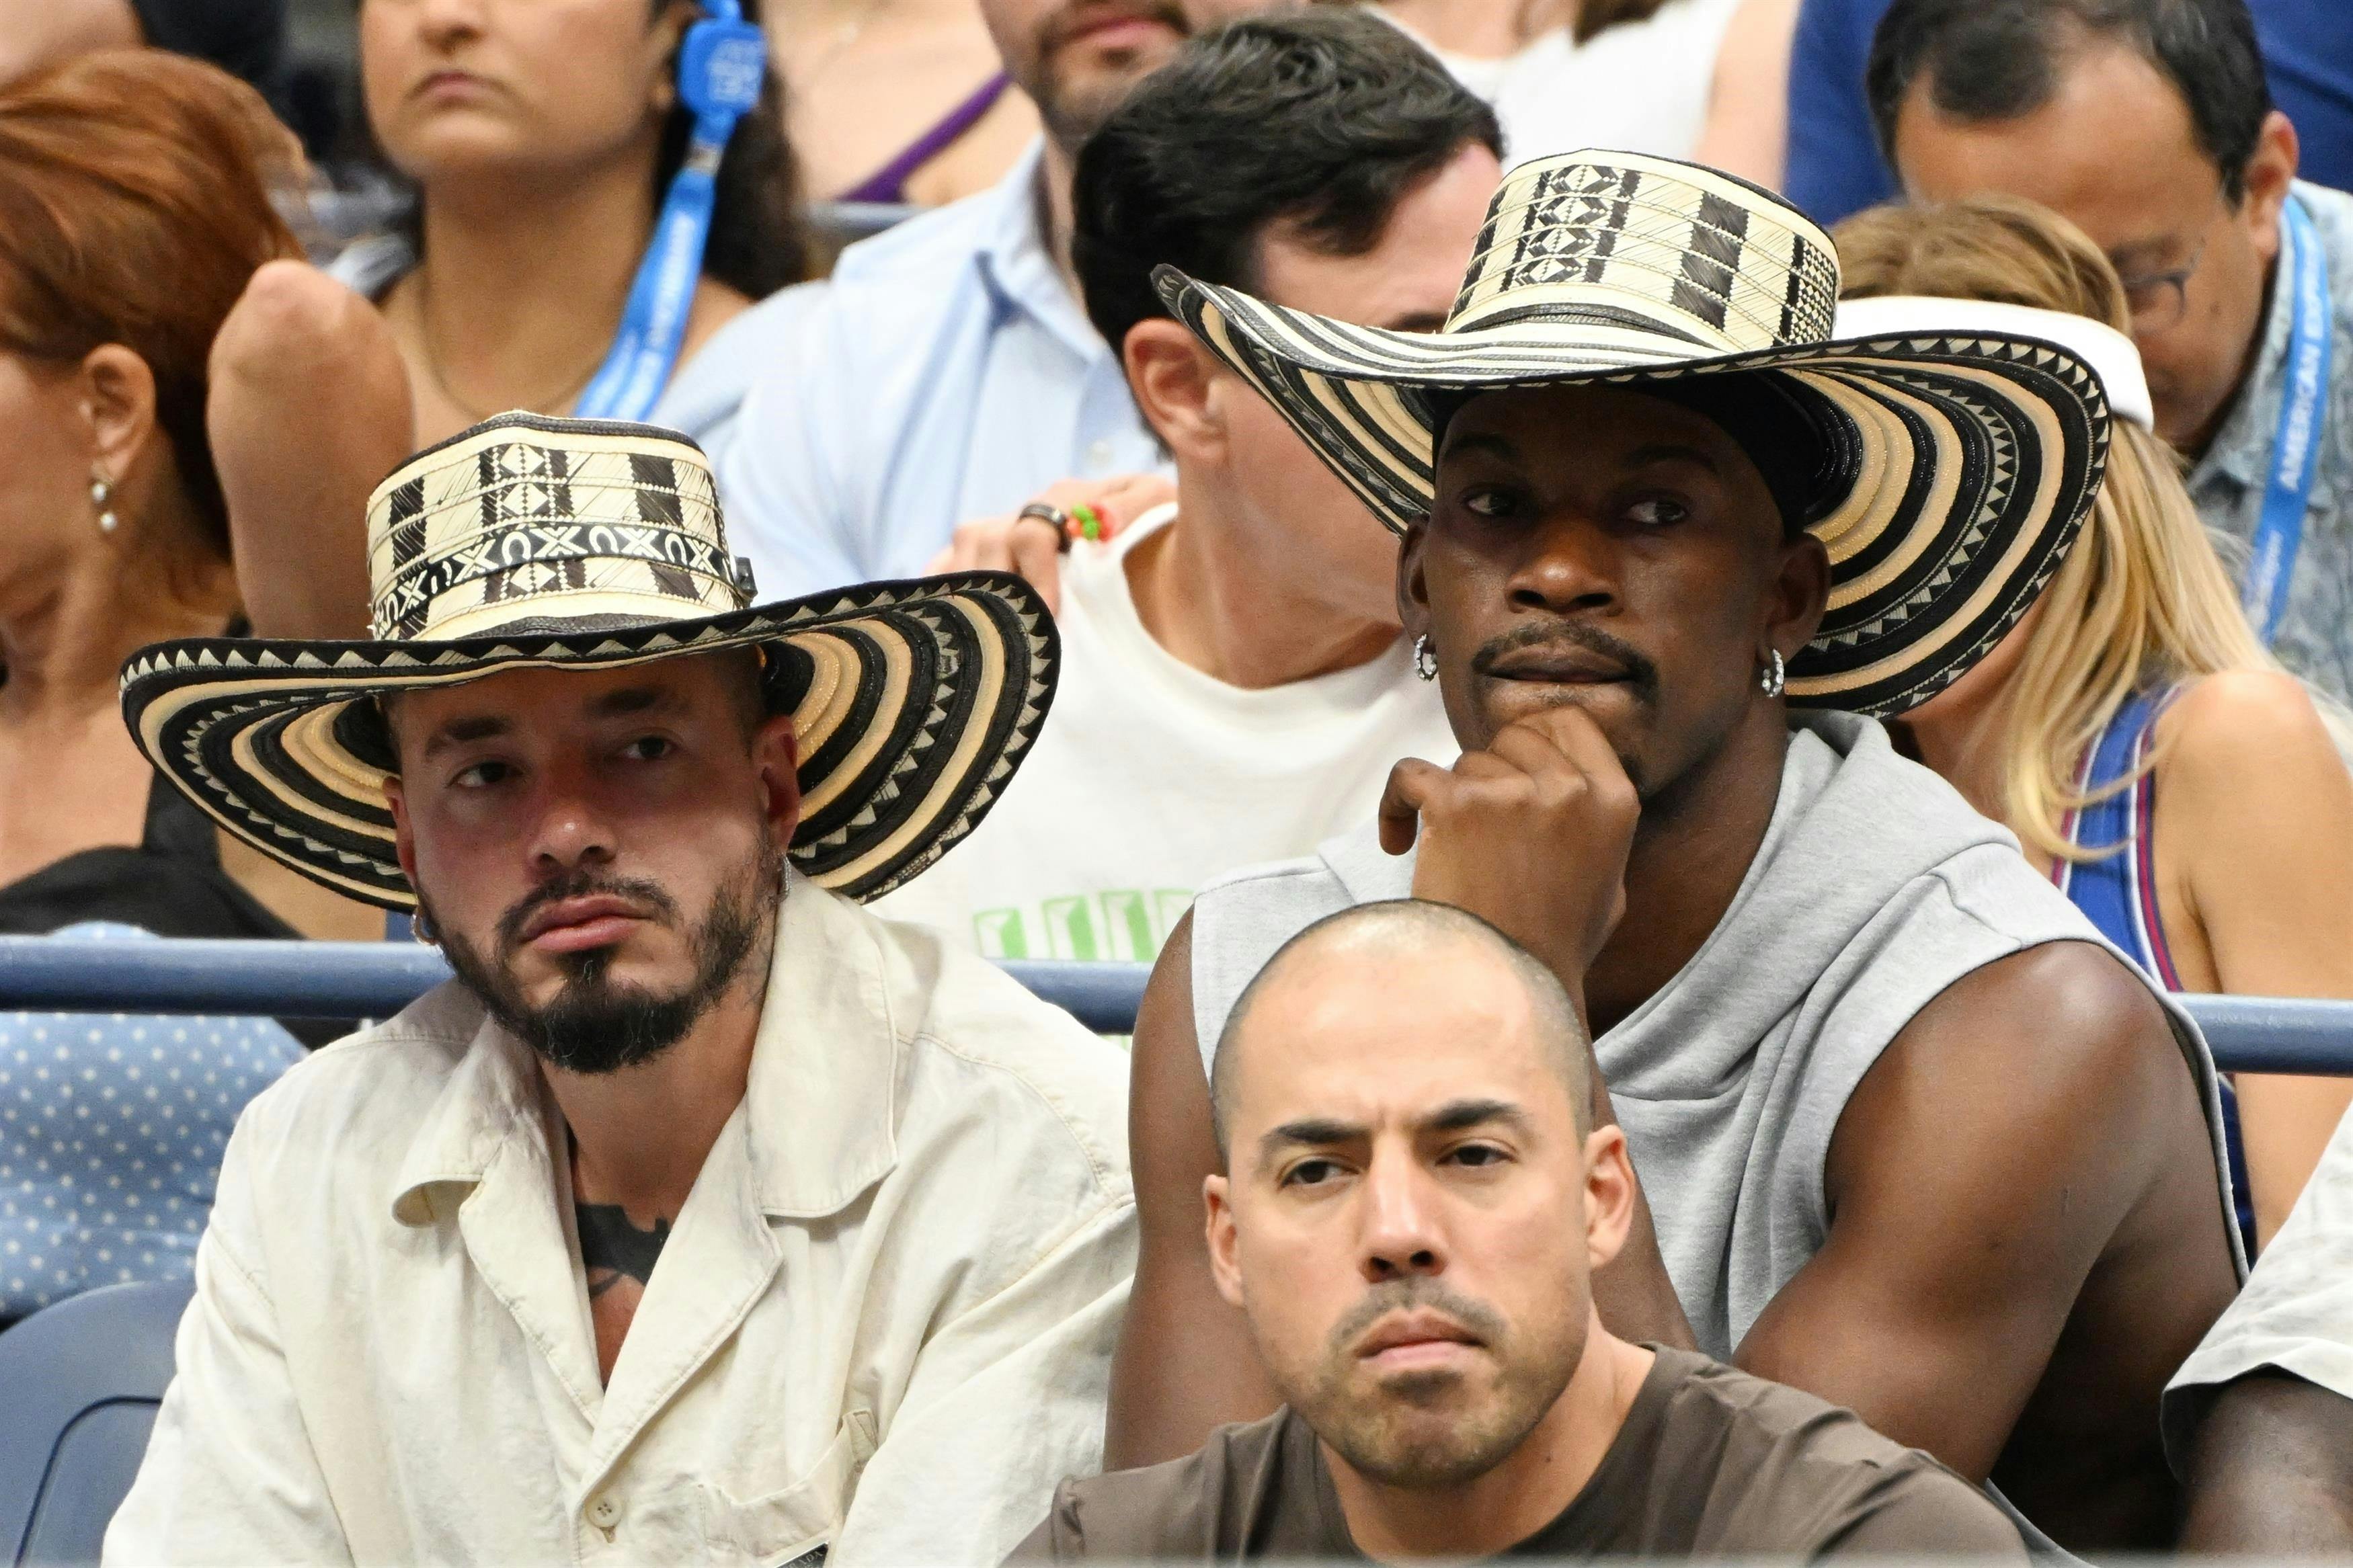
(534, 543)
(1954, 465)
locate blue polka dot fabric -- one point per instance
(112, 1128)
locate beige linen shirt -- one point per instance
(882, 1325)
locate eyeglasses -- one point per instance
(2159, 300)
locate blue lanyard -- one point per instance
(2295, 449)
(721, 66)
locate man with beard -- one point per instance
(1914, 1139)
(951, 375)
(703, 1216)
(1412, 1198)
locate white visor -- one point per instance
(2101, 346)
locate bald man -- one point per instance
(1415, 1196)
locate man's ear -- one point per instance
(1173, 378)
(1412, 587)
(1802, 592)
(2269, 174)
(1225, 1266)
(777, 754)
(118, 399)
(404, 839)
(1608, 1194)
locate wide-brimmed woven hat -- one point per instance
(534, 543)
(1953, 467)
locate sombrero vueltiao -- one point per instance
(1955, 466)
(534, 543)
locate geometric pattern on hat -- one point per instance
(1955, 469)
(531, 542)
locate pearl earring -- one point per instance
(101, 492)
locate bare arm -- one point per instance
(2033, 1120)
(2272, 1471)
(1747, 130)
(304, 367)
(2254, 801)
(1186, 1365)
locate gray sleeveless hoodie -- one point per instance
(1876, 887)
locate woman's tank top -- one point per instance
(2118, 892)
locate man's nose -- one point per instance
(570, 827)
(444, 23)
(1571, 566)
(1400, 1231)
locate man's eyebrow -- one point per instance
(1308, 1131)
(464, 731)
(1496, 446)
(2135, 255)
(1671, 452)
(1457, 1115)
(633, 700)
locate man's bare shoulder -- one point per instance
(2076, 1015)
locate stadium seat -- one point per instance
(79, 1382)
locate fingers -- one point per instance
(1562, 738)
(1116, 502)
(1036, 555)
(983, 546)
(1411, 783)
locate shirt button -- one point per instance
(1099, 456)
(605, 1513)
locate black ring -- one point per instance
(1053, 517)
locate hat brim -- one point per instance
(912, 703)
(1957, 469)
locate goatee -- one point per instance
(594, 1024)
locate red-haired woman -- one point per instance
(135, 211)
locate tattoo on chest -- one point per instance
(613, 1249)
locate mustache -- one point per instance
(577, 884)
(1069, 21)
(1642, 673)
(1400, 1295)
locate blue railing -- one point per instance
(375, 979)
(362, 979)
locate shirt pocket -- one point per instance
(793, 1525)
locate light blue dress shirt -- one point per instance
(947, 374)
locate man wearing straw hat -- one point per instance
(702, 1217)
(1913, 1140)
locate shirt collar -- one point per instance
(820, 1102)
(2242, 448)
(1017, 268)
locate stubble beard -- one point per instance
(1430, 1431)
(595, 1026)
(1074, 111)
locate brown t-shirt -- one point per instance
(1710, 1462)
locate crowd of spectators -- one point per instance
(1676, 626)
